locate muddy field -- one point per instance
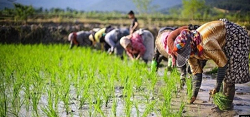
(203, 107)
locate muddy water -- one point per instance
(202, 107)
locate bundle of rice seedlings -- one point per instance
(221, 101)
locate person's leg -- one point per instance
(119, 50)
(106, 47)
(183, 75)
(229, 91)
(145, 60)
(196, 84)
(203, 63)
(220, 77)
(155, 59)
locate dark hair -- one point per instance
(131, 12)
(193, 27)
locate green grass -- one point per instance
(51, 80)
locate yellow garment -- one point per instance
(213, 39)
(99, 34)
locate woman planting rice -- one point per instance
(226, 43)
(161, 49)
(139, 45)
(113, 39)
(98, 37)
(79, 39)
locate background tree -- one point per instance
(193, 8)
(144, 6)
(22, 12)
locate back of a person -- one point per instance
(147, 39)
(124, 31)
(99, 34)
(148, 42)
(213, 30)
(160, 40)
(82, 38)
(136, 37)
(114, 35)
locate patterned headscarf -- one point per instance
(196, 48)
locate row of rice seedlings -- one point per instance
(3, 95)
(36, 92)
(90, 86)
(15, 84)
(189, 87)
(171, 89)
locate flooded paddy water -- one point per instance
(202, 107)
(53, 81)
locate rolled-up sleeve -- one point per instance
(195, 66)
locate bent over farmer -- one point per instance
(139, 45)
(80, 38)
(99, 37)
(224, 42)
(113, 39)
(161, 49)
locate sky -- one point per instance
(75, 4)
(88, 5)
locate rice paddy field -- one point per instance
(54, 81)
(51, 80)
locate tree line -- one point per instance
(190, 9)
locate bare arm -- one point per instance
(135, 26)
(130, 55)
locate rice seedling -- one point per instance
(47, 79)
(98, 102)
(189, 87)
(114, 107)
(149, 108)
(221, 101)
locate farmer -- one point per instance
(79, 39)
(139, 45)
(162, 53)
(113, 39)
(134, 23)
(226, 43)
(98, 37)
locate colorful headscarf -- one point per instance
(195, 40)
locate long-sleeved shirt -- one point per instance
(99, 34)
(112, 38)
(213, 39)
(137, 46)
(82, 39)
